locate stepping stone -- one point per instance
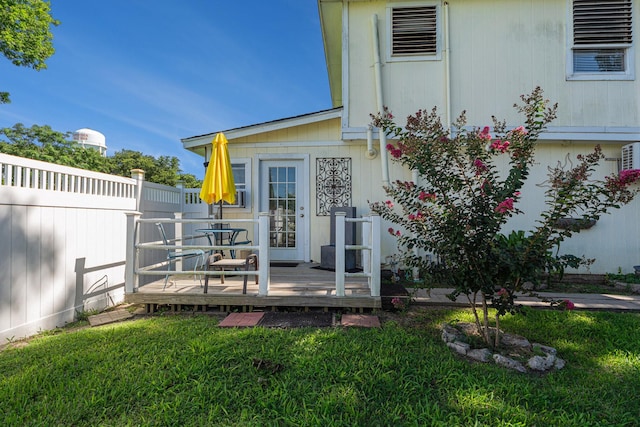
(241, 320)
(360, 320)
(109, 317)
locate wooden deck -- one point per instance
(299, 286)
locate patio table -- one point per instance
(228, 235)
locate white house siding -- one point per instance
(614, 242)
(318, 140)
(499, 49)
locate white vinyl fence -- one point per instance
(63, 239)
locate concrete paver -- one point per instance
(241, 320)
(360, 320)
(109, 317)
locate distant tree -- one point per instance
(190, 180)
(45, 144)
(25, 36)
(162, 170)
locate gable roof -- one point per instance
(196, 143)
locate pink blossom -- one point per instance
(505, 206)
(427, 196)
(568, 304)
(502, 292)
(395, 152)
(480, 166)
(394, 232)
(629, 176)
(389, 204)
(520, 130)
(485, 134)
(500, 146)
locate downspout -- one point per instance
(384, 160)
(447, 67)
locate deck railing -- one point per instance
(134, 270)
(370, 249)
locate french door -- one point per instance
(284, 194)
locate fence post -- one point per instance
(340, 252)
(180, 186)
(375, 255)
(138, 175)
(131, 264)
(263, 254)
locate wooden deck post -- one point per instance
(263, 254)
(131, 259)
(340, 252)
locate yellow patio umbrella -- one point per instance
(218, 182)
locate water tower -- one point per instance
(92, 139)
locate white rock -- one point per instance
(539, 363)
(509, 363)
(510, 340)
(459, 347)
(480, 354)
(545, 349)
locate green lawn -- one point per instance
(183, 370)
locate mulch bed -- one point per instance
(274, 319)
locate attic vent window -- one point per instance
(414, 30)
(602, 35)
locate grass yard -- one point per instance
(184, 371)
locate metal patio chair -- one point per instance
(174, 254)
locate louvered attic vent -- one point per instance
(414, 30)
(602, 32)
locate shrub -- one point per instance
(459, 207)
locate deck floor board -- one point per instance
(301, 285)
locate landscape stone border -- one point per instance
(544, 358)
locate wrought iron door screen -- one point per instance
(333, 184)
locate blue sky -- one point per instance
(146, 73)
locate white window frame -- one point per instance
(390, 57)
(246, 162)
(629, 57)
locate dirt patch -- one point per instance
(389, 291)
(274, 319)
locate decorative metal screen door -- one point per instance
(281, 195)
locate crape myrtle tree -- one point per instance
(458, 209)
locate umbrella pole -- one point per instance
(219, 235)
